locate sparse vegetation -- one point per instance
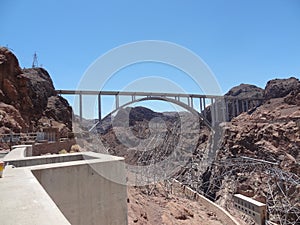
(75, 148)
(63, 151)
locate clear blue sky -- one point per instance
(242, 41)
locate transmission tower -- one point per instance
(35, 61)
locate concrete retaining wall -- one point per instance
(221, 213)
(85, 196)
(53, 147)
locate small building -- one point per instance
(51, 134)
(251, 207)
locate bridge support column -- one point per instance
(117, 101)
(80, 106)
(216, 111)
(99, 108)
(192, 102)
(200, 99)
(226, 111)
(243, 106)
(237, 107)
(204, 106)
(233, 108)
(212, 111)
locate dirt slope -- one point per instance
(152, 209)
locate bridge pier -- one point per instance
(237, 107)
(233, 108)
(189, 101)
(80, 106)
(212, 111)
(226, 111)
(243, 106)
(216, 111)
(117, 101)
(204, 106)
(99, 107)
(200, 102)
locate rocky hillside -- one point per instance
(28, 101)
(272, 131)
(269, 131)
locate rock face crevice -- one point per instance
(28, 100)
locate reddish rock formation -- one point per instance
(245, 91)
(271, 131)
(28, 101)
(278, 88)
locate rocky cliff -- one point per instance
(28, 101)
(272, 131)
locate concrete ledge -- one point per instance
(18, 152)
(24, 201)
(221, 213)
(78, 188)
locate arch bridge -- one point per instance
(212, 108)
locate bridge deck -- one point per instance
(154, 94)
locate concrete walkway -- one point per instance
(24, 201)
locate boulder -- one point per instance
(279, 88)
(245, 91)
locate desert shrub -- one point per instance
(75, 148)
(63, 151)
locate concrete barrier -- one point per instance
(77, 188)
(18, 152)
(222, 214)
(83, 195)
(22, 151)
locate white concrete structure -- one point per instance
(251, 207)
(77, 188)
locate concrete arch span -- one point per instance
(155, 98)
(214, 130)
